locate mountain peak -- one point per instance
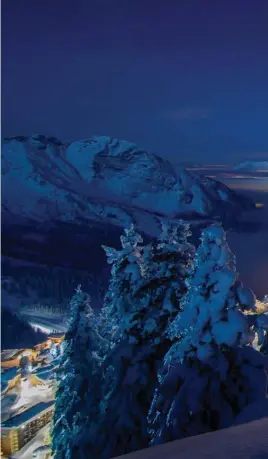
(103, 179)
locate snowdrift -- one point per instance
(247, 441)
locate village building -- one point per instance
(11, 358)
(20, 429)
(16, 431)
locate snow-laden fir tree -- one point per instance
(167, 269)
(145, 289)
(54, 351)
(107, 327)
(125, 272)
(78, 393)
(114, 322)
(211, 373)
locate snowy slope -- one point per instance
(105, 181)
(252, 166)
(247, 441)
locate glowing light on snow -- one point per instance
(43, 329)
(30, 395)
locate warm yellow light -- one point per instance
(258, 205)
(261, 307)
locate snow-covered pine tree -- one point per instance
(113, 324)
(78, 393)
(167, 268)
(106, 326)
(144, 295)
(54, 351)
(212, 372)
(125, 270)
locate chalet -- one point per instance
(20, 429)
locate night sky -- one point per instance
(187, 79)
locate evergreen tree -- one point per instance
(124, 273)
(107, 327)
(78, 392)
(166, 269)
(211, 372)
(54, 351)
(145, 289)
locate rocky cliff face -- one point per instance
(61, 201)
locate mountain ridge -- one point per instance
(104, 179)
(252, 166)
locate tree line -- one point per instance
(169, 356)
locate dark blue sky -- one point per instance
(187, 79)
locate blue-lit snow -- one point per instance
(102, 180)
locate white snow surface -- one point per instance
(252, 166)
(105, 180)
(247, 441)
(253, 412)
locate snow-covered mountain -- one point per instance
(252, 166)
(60, 202)
(103, 180)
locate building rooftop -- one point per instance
(43, 368)
(27, 415)
(7, 376)
(45, 375)
(56, 335)
(8, 354)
